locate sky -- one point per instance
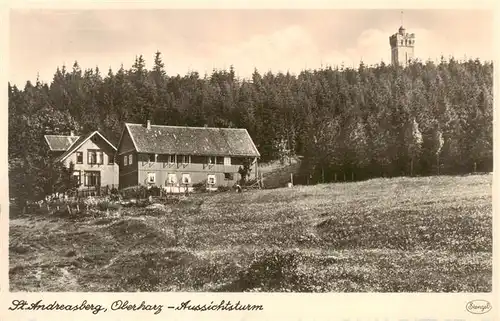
(201, 39)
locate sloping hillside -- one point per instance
(278, 175)
(428, 234)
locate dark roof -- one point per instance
(60, 143)
(79, 142)
(180, 140)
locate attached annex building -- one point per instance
(177, 157)
(92, 155)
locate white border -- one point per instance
(277, 306)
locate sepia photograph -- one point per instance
(245, 150)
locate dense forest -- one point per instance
(364, 122)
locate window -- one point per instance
(92, 178)
(100, 157)
(152, 158)
(171, 159)
(229, 176)
(130, 159)
(186, 179)
(78, 177)
(125, 160)
(79, 157)
(171, 178)
(111, 160)
(151, 178)
(91, 157)
(94, 157)
(211, 160)
(185, 159)
(211, 179)
(227, 161)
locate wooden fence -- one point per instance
(92, 191)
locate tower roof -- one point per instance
(401, 30)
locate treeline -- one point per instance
(365, 122)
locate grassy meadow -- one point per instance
(430, 234)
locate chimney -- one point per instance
(148, 124)
(71, 133)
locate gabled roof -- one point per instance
(79, 143)
(60, 143)
(160, 139)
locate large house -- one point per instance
(176, 157)
(92, 155)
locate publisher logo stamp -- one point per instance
(478, 306)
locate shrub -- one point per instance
(115, 197)
(200, 187)
(154, 191)
(137, 192)
(223, 188)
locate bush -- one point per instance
(200, 187)
(115, 197)
(154, 191)
(223, 188)
(140, 192)
(137, 192)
